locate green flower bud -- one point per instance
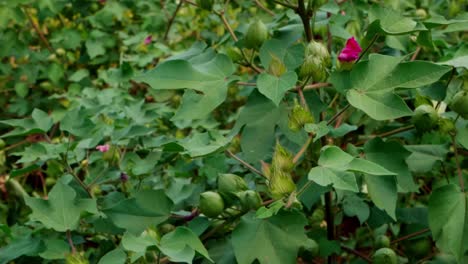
(420, 13)
(256, 34)
(382, 241)
(385, 256)
(446, 126)
(76, 259)
(281, 184)
(234, 53)
(425, 118)
(282, 159)
(459, 104)
(250, 200)
(231, 184)
(112, 155)
(313, 67)
(166, 228)
(2, 144)
(317, 49)
(211, 204)
(277, 67)
(298, 117)
(205, 4)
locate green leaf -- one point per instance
(139, 212)
(370, 85)
(320, 130)
(458, 62)
(368, 167)
(383, 192)
(334, 158)
(391, 155)
(392, 22)
(62, 210)
(55, 249)
(79, 75)
(23, 246)
(341, 180)
(462, 136)
(116, 256)
(423, 157)
(201, 144)
(95, 48)
(22, 89)
(181, 244)
(137, 244)
(274, 87)
(291, 56)
(354, 205)
(275, 240)
(39, 123)
(448, 219)
(209, 79)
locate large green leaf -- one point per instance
(116, 256)
(181, 244)
(19, 247)
(392, 22)
(423, 157)
(39, 123)
(275, 87)
(370, 85)
(448, 219)
(383, 192)
(341, 180)
(206, 83)
(62, 210)
(275, 240)
(146, 208)
(392, 155)
(291, 56)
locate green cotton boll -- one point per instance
(425, 118)
(317, 49)
(385, 256)
(459, 104)
(281, 184)
(256, 34)
(250, 200)
(282, 159)
(230, 184)
(211, 204)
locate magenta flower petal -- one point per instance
(103, 148)
(148, 40)
(351, 51)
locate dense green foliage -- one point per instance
(213, 131)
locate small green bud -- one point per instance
(298, 117)
(112, 155)
(256, 34)
(234, 53)
(459, 104)
(385, 256)
(166, 228)
(211, 204)
(2, 143)
(317, 49)
(420, 13)
(425, 118)
(277, 67)
(250, 200)
(446, 126)
(313, 67)
(229, 184)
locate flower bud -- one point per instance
(298, 117)
(112, 155)
(350, 52)
(277, 67)
(211, 204)
(2, 143)
(231, 183)
(317, 49)
(313, 67)
(446, 126)
(234, 53)
(459, 104)
(425, 118)
(382, 241)
(256, 34)
(282, 159)
(281, 184)
(385, 256)
(250, 200)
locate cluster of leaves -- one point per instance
(332, 160)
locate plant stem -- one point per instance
(261, 6)
(376, 36)
(357, 253)
(70, 242)
(410, 235)
(457, 162)
(338, 114)
(316, 86)
(305, 18)
(38, 30)
(226, 24)
(247, 165)
(303, 149)
(416, 53)
(171, 20)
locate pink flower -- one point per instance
(148, 40)
(351, 51)
(103, 148)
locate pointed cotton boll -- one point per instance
(298, 117)
(281, 184)
(282, 159)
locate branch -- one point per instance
(171, 20)
(247, 165)
(410, 235)
(305, 18)
(261, 6)
(38, 30)
(357, 253)
(70, 242)
(416, 53)
(316, 86)
(338, 114)
(374, 38)
(303, 149)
